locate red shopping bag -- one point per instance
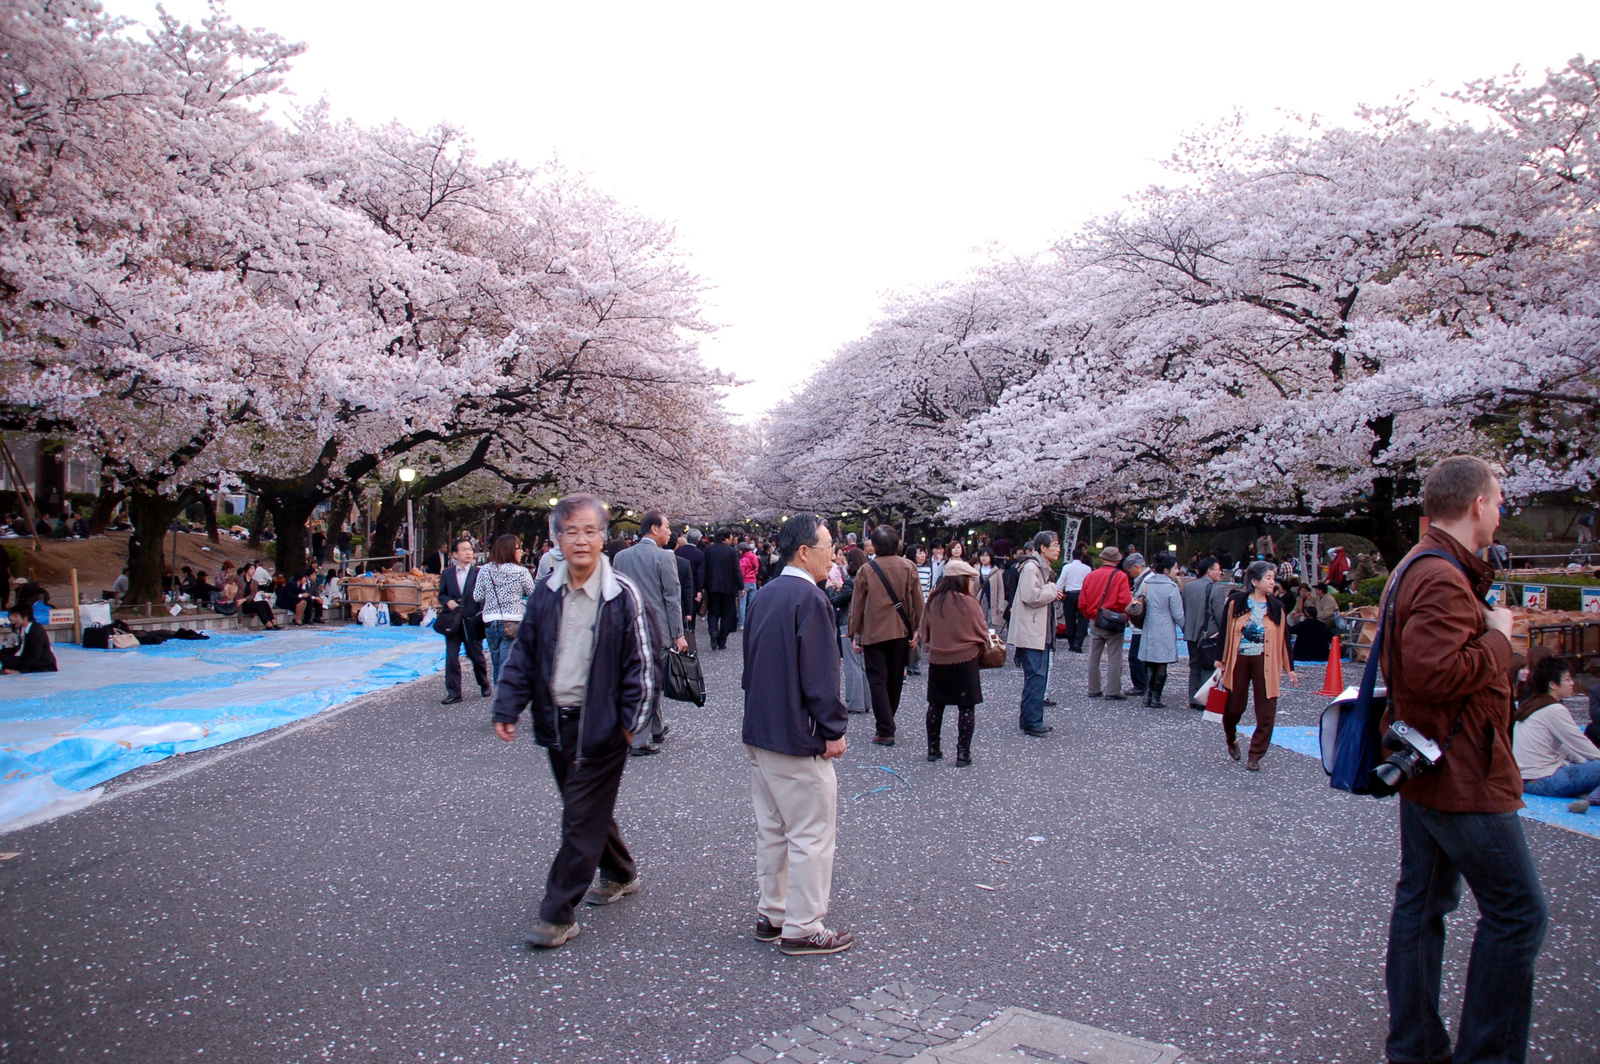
(1216, 702)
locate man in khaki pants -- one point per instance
(794, 725)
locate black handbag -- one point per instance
(448, 623)
(1109, 621)
(684, 682)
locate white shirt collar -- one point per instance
(795, 570)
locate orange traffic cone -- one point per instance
(1334, 684)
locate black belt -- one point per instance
(569, 712)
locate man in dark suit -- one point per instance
(723, 586)
(688, 589)
(456, 585)
(689, 549)
(437, 562)
(33, 653)
(794, 724)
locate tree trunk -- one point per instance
(213, 533)
(258, 522)
(387, 525)
(290, 515)
(152, 514)
(105, 506)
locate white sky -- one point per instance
(817, 157)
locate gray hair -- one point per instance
(570, 505)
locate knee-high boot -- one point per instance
(1158, 680)
(966, 717)
(935, 726)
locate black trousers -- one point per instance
(1136, 670)
(722, 617)
(886, 674)
(590, 838)
(1201, 665)
(452, 662)
(1077, 623)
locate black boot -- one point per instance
(965, 719)
(1149, 692)
(935, 726)
(1159, 685)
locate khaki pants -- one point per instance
(796, 799)
(1107, 645)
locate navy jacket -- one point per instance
(791, 669)
(622, 675)
(697, 563)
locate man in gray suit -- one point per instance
(1203, 600)
(655, 572)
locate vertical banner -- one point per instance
(1069, 537)
(1535, 597)
(1591, 600)
(1310, 558)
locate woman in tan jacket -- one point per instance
(1255, 655)
(955, 633)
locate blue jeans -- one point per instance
(499, 647)
(1568, 781)
(1035, 677)
(1438, 850)
(744, 600)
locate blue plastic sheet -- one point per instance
(109, 711)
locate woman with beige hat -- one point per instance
(955, 632)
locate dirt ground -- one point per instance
(100, 559)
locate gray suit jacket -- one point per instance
(655, 572)
(1203, 603)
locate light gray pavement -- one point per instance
(357, 890)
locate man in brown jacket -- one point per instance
(884, 634)
(1446, 667)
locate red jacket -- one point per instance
(1105, 588)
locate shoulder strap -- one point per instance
(1369, 678)
(899, 608)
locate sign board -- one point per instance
(1591, 600)
(1310, 556)
(1535, 597)
(1496, 595)
(1069, 537)
(60, 616)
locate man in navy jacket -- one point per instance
(583, 658)
(794, 724)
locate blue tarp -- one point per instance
(109, 711)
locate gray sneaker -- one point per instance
(605, 891)
(546, 935)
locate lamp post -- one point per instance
(407, 475)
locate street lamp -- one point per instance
(407, 475)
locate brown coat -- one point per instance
(953, 629)
(872, 615)
(1275, 658)
(1451, 663)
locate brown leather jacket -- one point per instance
(872, 615)
(1447, 662)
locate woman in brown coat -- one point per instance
(955, 633)
(1254, 655)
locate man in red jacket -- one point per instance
(1447, 670)
(1105, 588)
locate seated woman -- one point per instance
(33, 653)
(1555, 758)
(308, 607)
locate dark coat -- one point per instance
(842, 598)
(697, 564)
(34, 655)
(686, 585)
(791, 670)
(450, 588)
(622, 675)
(437, 562)
(722, 570)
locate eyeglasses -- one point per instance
(582, 533)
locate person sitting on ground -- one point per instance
(307, 607)
(1555, 758)
(119, 586)
(1592, 731)
(1313, 640)
(33, 653)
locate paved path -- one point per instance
(357, 890)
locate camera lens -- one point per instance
(1390, 775)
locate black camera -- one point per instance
(1413, 752)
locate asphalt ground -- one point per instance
(356, 888)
